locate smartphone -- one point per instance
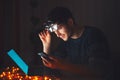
(44, 55)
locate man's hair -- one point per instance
(60, 15)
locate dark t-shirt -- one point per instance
(91, 49)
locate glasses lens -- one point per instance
(52, 27)
(55, 27)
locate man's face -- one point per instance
(63, 32)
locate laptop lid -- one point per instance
(18, 60)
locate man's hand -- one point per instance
(53, 62)
(57, 63)
(46, 40)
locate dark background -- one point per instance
(19, 19)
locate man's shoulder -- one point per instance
(94, 34)
(92, 30)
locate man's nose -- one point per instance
(57, 33)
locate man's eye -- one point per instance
(59, 27)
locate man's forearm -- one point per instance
(78, 69)
(47, 51)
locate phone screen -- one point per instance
(44, 55)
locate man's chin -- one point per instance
(65, 39)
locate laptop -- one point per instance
(28, 70)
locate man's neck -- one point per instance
(77, 32)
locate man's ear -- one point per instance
(70, 21)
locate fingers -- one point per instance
(53, 63)
(43, 33)
(45, 63)
(52, 58)
(44, 60)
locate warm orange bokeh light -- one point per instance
(15, 73)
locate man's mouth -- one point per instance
(62, 36)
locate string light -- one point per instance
(14, 73)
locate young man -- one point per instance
(85, 48)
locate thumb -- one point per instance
(52, 57)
